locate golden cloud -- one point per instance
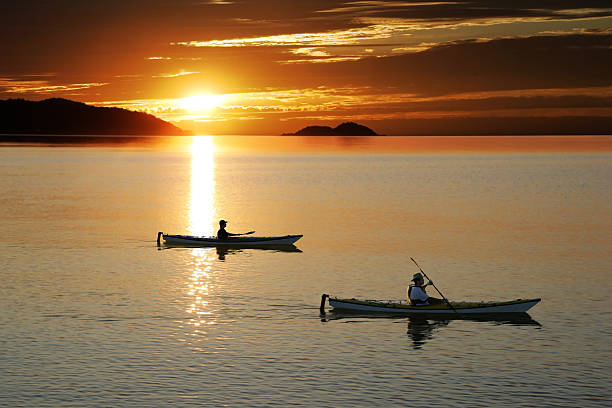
(11, 85)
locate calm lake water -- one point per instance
(95, 314)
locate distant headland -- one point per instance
(59, 116)
(345, 129)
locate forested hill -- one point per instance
(65, 117)
(345, 129)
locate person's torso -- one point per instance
(416, 294)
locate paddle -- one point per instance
(246, 233)
(443, 297)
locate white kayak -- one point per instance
(402, 306)
(246, 241)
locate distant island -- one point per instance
(345, 129)
(59, 116)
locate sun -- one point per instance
(201, 102)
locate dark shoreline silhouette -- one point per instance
(62, 117)
(80, 139)
(345, 129)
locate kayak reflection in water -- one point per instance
(223, 234)
(417, 294)
(420, 330)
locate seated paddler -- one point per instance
(223, 234)
(417, 292)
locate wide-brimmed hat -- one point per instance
(417, 276)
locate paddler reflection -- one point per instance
(222, 251)
(420, 330)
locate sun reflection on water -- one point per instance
(201, 220)
(200, 287)
(202, 204)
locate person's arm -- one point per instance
(244, 233)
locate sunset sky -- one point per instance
(267, 67)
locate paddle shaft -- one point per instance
(233, 234)
(435, 287)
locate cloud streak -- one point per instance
(17, 86)
(177, 74)
(392, 27)
(331, 38)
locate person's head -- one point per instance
(417, 278)
(222, 223)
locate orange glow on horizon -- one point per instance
(415, 144)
